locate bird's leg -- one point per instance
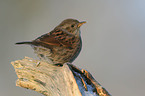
(58, 64)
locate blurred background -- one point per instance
(113, 40)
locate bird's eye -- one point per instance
(72, 25)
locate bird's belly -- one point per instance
(54, 54)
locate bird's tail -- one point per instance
(27, 42)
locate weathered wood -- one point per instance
(56, 80)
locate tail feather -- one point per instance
(33, 43)
(27, 42)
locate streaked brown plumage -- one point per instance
(61, 45)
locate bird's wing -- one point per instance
(57, 37)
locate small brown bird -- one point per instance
(63, 44)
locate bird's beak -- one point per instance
(81, 23)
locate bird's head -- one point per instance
(71, 25)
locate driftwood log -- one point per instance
(56, 80)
